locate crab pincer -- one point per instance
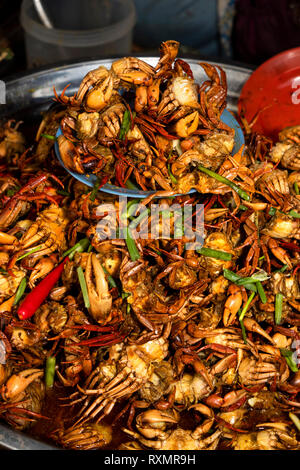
(100, 298)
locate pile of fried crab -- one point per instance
(110, 342)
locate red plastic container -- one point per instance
(273, 91)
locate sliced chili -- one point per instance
(36, 297)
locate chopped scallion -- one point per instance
(278, 308)
(243, 330)
(261, 292)
(95, 190)
(247, 304)
(63, 192)
(81, 246)
(48, 136)
(281, 270)
(215, 253)
(172, 177)
(83, 286)
(272, 211)
(37, 248)
(130, 185)
(294, 214)
(233, 277)
(288, 355)
(110, 279)
(125, 125)
(50, 371)
(131, 245)
(226, 181)
(20, 291)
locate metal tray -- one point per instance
(30, 94)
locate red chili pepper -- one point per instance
(120, 173)
(37, 296)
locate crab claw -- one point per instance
(100, 298)
(43, 267)
(252, 325)
(168, 53)
(69, 154)
(153, 423)
(100, 95)
(6, 239)
(187, 125)
(17, 383)
(133, 70)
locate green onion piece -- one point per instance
(48, 136)
(241, 317)
(62, 192)
(278, 308)
(261, 258)
(90, 248)
(272, 211)
(288, 354)
(125, 295)
(95, 189)
(243, 330)
(83, 286)
(294, 214)
(296, 187)
(295, 420)
(110, 279)
(281, 270)
(81, 246)
(260, 276)
(20, 291)
(130, 185)
(246, 280)
(125, 126)
(131, 245)
(11, 191)
(50, 371)
(233, 277)
(130, 209)
(230, 275)
(224, 180)
(172, 177)
(243, 208)
(215, 254)
(261, 292)
(37, 248)
(139, 219)
(178, 230)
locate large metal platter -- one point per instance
(30, 94)
(34, 91)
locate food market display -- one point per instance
(111, 340)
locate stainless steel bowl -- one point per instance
(30, 94)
